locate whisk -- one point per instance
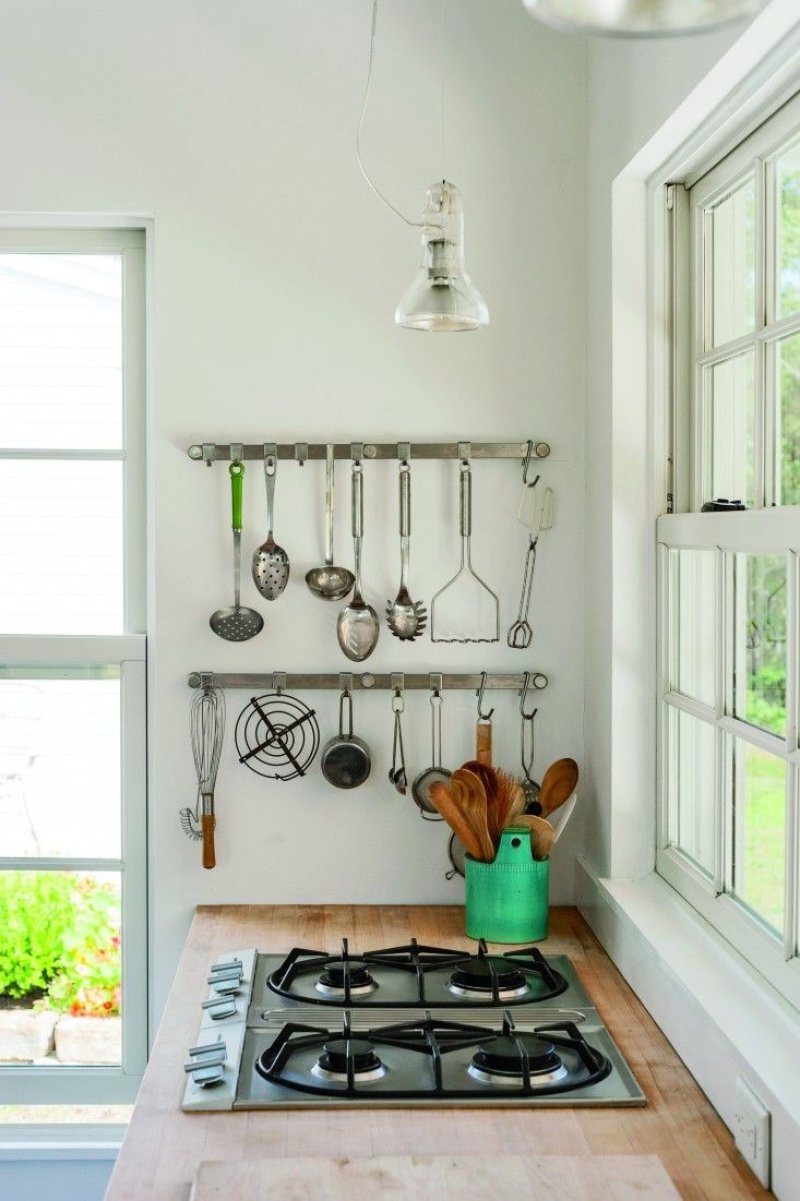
(207, 728)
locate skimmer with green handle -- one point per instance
(237, 623)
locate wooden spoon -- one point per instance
(490, 778)
(470, 794)
(443, 800)
(542, 833)
(558, 785)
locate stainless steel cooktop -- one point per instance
(403, 1026)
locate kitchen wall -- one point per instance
(632, 87)
(275, 273)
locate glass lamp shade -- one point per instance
(442, 297)
(641, 18)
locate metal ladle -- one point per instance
(329, 582)
(270, 561)
(236, 623)
(357, 626)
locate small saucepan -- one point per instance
(421, 785)
(345, 760)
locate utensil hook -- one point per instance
(527, 731)
(526, 466)
(486, 716)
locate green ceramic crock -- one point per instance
(507, 900)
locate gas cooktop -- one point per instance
(411, 1025)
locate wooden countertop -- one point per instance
(164, 1147)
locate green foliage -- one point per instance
(36, 910)
(89, 980)
(59, 935)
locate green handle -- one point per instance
(236, 471)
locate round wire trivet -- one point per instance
(277, 736)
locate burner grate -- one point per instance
(287, 1061)
(516, 976)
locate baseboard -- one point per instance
(723, 1022)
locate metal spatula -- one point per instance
(472, 609)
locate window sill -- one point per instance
(723, 1019)
(60, 1141)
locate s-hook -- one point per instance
(528, 743)
(481, 715)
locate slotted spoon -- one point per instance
(270, 561)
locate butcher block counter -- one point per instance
(169, 1155)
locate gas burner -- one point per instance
(488, 976)
(339, 1052)
(504, 1059)
(332, 981)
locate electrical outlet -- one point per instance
(751, 1130)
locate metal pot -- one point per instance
(346, 761)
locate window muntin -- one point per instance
(71, 617)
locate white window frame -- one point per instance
(34, 1084)
(763, 530)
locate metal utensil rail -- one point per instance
(372, 681)
(301, 452)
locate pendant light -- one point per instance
(441, 297)
(641, 18)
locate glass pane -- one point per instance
(730, 424)
(692, 791)
(694, 617)
(60, 547)
(59, 966)
(41, 1115)
(60, 767)
(788, 418)
(733, 283)
(787, 170)
(760, 641)
(61, 350)
(759, 812)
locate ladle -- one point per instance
(329, 582)
(358, 627)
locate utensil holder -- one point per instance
(508, 900)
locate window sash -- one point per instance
(61, 653)
(761, 531)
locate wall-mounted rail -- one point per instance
(300, 452)
(490, 681)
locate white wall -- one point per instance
(275, 277)
(632, 87)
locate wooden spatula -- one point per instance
(445, 802)
(470, 794)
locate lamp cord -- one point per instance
(373, 186)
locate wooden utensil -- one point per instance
(489, 777)
(444, 801)
(483, 742)
(541, 832)
(470, 795)
(558, 785)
